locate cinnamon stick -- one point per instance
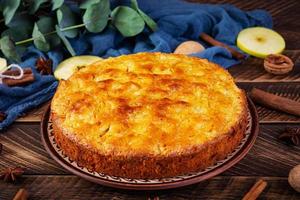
(256, 190)
(27, 78)
(15, 72)
(236, 54)
(22, 194)
(275, 102)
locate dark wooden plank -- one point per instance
(34, 115)
(268, 157)
(22, 147)
(71, 187)
(252, 70)
(275, 7)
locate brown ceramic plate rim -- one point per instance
(154, 186)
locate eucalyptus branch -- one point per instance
(50, 33)
(95, 16)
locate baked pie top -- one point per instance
(147, 103)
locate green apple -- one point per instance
(260, 41)
(3, 64)
(66, 68)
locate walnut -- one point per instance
(278, 64)
(189, 47)
(294, 178)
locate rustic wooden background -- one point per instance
(269, 159)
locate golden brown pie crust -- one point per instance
(140, 164)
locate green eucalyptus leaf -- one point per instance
(96, 16)
(8, 49)
(16, 33)
(65, 41)
(87, 3)
(20, 19)
(39, 39)
(20, 27)
(57, 4)
(35, 5)
(66, 18)
(47, 25)
(134, 4)
(150, 22)
(127, 21)
(9, 9)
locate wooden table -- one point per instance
(269, 159)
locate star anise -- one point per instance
(44, 66)
(291, 135)
(11, 174)
(2, 116)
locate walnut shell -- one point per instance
(278, 64)
(189, 47)
(294, 178)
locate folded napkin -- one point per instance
(177, 21)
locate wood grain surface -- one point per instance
(22, 147)
(252, 71)
(34, 115)
(74, 188)
(270, 158)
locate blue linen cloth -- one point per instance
(177, 20)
